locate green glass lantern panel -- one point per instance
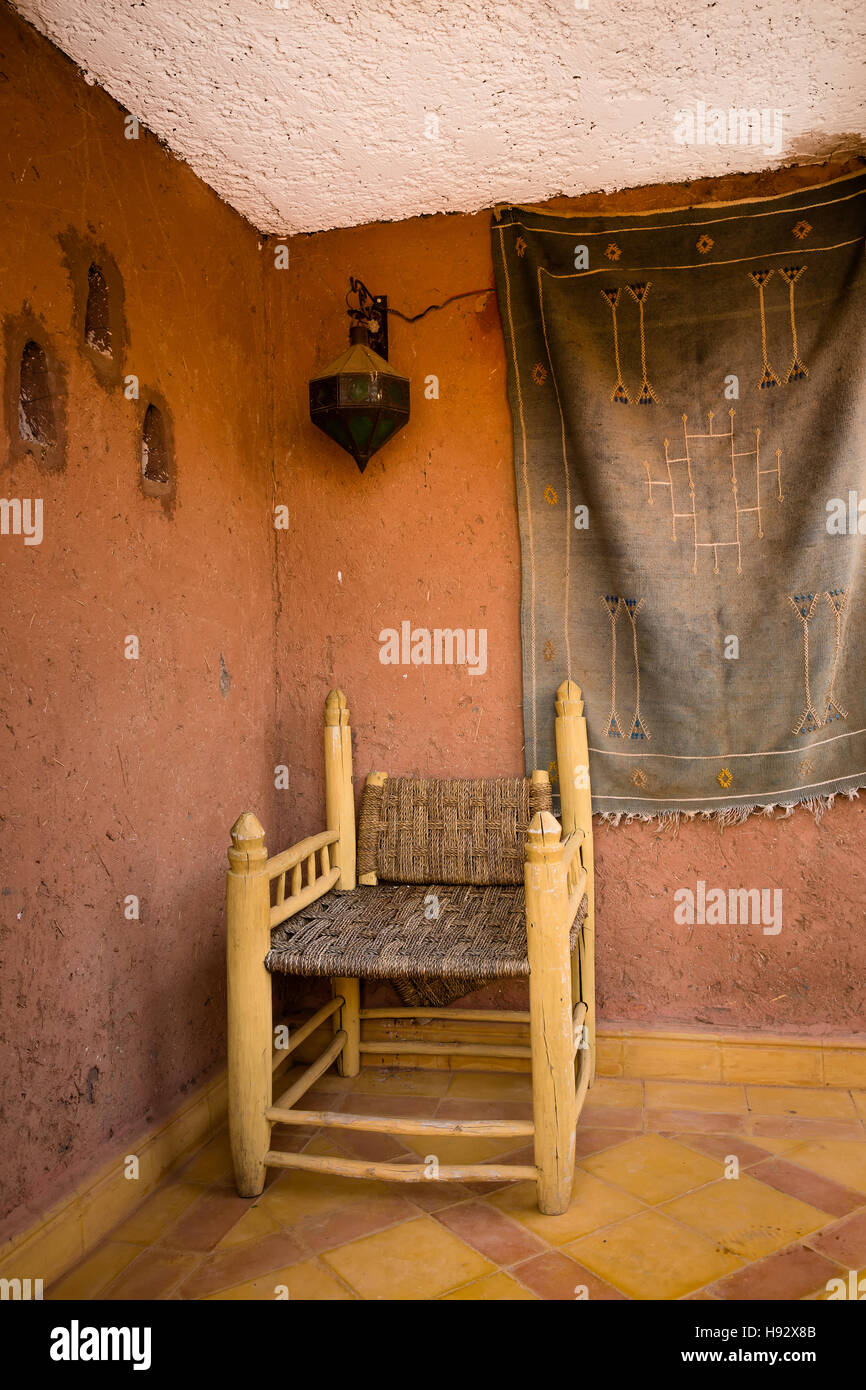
(385, 426)
(397, 392)
(361, 428)
(324, 392)
(335, 427)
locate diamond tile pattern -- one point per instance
(659, 1210)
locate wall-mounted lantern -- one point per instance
(358, 400)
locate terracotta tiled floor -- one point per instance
(653, 1215)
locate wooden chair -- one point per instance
(514, 897)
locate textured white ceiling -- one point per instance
(317, 114)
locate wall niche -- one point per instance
(157, 468)
(36, 420)
(34, 393)
(99, 320)
(97, 314)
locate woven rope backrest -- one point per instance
(426, 830)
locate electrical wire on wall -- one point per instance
(367, 304)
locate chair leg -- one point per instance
(550, 1016)
(250, 1009)
(553, 1100)
(572, 757)
(588, 978)
(249, 1086)
(349, 1019)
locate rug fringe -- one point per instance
(732, 815)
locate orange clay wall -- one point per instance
(122, 775)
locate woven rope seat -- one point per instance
(448, 904)
(386, 933)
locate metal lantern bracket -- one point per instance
(371, 312)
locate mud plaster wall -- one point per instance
(120, 776)
(429, 534)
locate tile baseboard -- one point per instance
(73, 1226)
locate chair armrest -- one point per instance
(575, 873)
(295, 854)
(292, 861)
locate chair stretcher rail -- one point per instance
(312, 1073)
(446, 1049)
(462, 1015)
(392, 1124)
(300, 1034)
(401, 1172)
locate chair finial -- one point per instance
(247, 829)
(248, 841)
(544, 830)
(569, 699)
(336, 708)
